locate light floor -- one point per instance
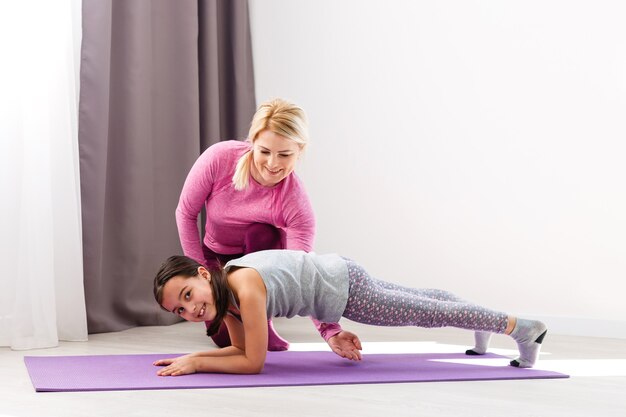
(597, 386)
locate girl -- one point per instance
(284, 283)
(254, 201)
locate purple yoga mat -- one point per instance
(135, 372)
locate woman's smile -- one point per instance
(274, 158)
(274, 172)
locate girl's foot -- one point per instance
(529, 335)
(481, 344)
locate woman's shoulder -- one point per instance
(227, 145)
(293, 185)
(294, 197)
(223, 156)
(228, 148)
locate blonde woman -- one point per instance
(254, 201)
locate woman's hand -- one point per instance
(347, 345)
(182, 365)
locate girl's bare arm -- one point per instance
(248, 338)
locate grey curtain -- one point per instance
(161, 80)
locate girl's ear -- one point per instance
(204, 273)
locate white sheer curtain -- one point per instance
(41, 273)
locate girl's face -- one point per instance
(274, 158)
(190, 298)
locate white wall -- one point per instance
(476, 146)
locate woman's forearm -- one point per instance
(188, 234)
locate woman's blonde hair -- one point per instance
(278, 116)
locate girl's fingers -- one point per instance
(357, 343)
(165, 372)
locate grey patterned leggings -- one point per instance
(380, 303)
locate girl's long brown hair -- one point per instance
(183, 266)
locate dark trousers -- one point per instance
(259, 236)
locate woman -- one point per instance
(254, 201)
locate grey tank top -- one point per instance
(300, 283)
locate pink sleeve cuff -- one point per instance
(327, 330)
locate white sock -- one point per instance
(481, 343)
(529, 335)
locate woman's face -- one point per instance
(190, 298)
(274, 158)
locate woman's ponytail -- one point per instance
(242, 171)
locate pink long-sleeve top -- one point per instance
(229, 212)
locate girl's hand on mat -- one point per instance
(347, 345)
(182, 365)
